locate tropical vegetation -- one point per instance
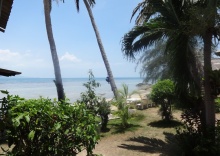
(163, 94)
(175, 23)
(96, 104)
(45, 127)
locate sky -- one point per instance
(24, 46)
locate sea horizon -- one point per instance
(44, 87)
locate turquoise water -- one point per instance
(36, 87)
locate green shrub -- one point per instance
(104, 110)
(98, 105)
(191, 139)
(163, 93)
(45, 127)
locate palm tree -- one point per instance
(89, 3)
(58, 78)
(210, 16)
(162, 21)
(177, 21)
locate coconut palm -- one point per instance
(58, 78)
(162, 21)
(88, 4)
(177, 21)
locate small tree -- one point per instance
(98, 105)
(89, 96)
(163, 94)
(121, 103)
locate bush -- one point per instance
(163, 93)
(98, 105)
(122, 106)
(45, 127)
(104, 110)
(191, 139)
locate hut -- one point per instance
(5, 10)
(5, 72)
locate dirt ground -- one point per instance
(146, 141)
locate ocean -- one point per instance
(35, 87)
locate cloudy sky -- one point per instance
(24, 46)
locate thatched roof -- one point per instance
(5, 10)
(5, 72)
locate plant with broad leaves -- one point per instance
(45, 127)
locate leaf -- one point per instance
(31, 135)
(4, 91)
(66, 132)
(57, 126)
(27, 118)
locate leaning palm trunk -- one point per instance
(104, 57)
(58, 79)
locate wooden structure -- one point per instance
(5, 72)
(5, 10)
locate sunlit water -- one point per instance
(45, 87)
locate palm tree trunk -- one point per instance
(58, 79)
(211, 13)
(102, 50)
(208, 98)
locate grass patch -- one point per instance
(115, 127)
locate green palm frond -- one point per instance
(154, 63)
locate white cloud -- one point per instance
(21, 61)
(69, 57)
(7, 55)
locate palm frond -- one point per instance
(77, 5)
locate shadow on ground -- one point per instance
(118, 128)
(153, 145)
(165, 124)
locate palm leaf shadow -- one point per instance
(153, 145)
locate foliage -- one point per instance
(89, 96)
(162, 35)
(163, 93)
(104, 110)
(217, 105)
(98, 105)
(121, 103)
(45, 127)
(154, 63)
(191, 139)
(215, 82)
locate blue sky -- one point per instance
(24, 46)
